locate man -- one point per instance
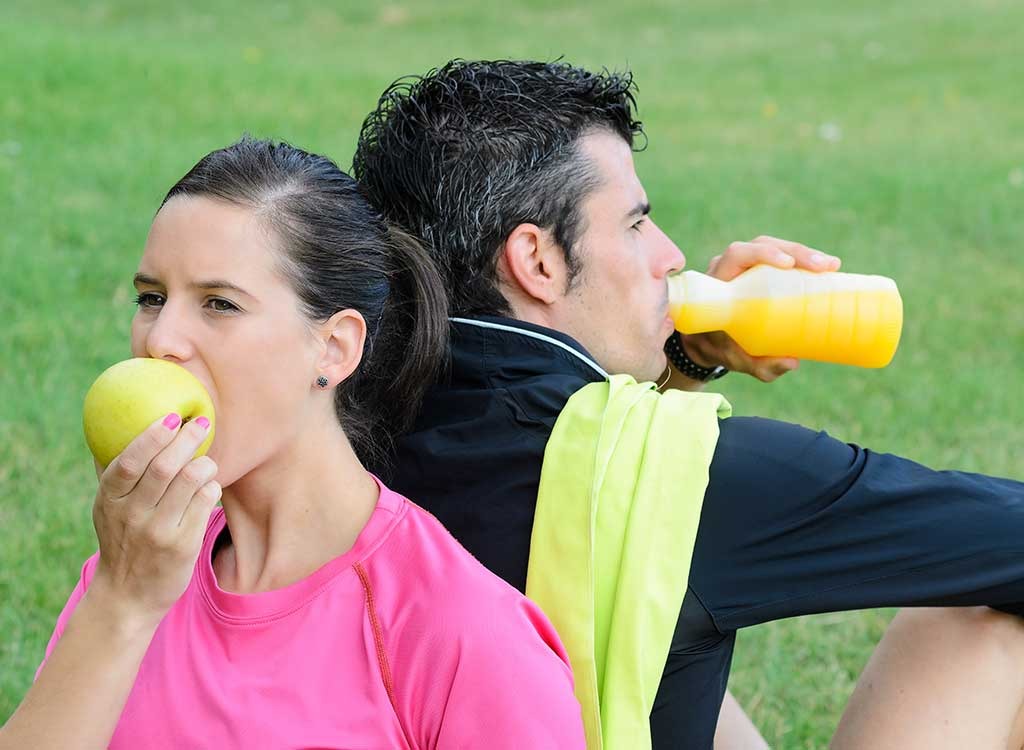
(519, 178)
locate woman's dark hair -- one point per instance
(339, 253)
(462, 155)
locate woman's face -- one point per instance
(213, 300)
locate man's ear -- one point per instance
(343, 336)
(533, 264)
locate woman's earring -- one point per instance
(322, 381)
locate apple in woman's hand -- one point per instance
(129, 396)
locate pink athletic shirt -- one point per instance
(405, 641)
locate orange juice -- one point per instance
(846, 318)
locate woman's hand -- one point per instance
(717, 348)
(150, 514)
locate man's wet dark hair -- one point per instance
(339, 253)
(462, 155)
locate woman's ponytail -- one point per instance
(410, 347)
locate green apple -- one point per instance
(131, 395)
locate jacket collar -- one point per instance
(505, 343)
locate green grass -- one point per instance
(102, 108)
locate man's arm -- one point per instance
(796, 522)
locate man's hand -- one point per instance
(717, 348)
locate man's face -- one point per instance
(618, 305)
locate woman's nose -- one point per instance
(168, 337)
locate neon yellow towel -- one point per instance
(619, 502)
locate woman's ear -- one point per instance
(533, 265)
(343, 336)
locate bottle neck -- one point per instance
(699, 303)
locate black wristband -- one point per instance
(681, 361)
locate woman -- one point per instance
(315, 608)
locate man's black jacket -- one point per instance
(793, 520)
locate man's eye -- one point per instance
(221, 305)
(149, 299)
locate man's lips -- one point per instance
(666, 308)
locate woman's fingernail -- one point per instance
(203, 422)
(818, 259)
(785, 259)
(171, 421)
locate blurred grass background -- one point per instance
(889, 134)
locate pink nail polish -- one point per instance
(171, 421)
(203, 422)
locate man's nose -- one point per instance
(669, 257)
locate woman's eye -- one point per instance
(221, 305)
(638, 224)
(149, 299)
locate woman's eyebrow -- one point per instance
(142, 279)
(219, 284)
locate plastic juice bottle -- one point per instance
(847, 318)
